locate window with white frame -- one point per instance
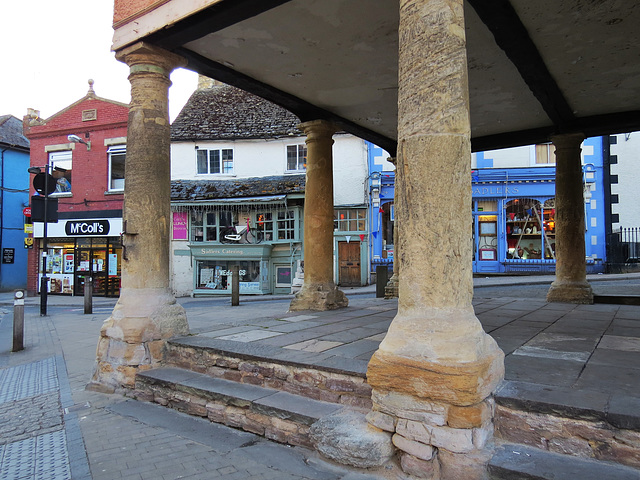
(350, 220)
(286, 223)
(117, 154)
(296, 158)
(218, 161)
(545, 154)
(61, 163)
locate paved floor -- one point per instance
(50, 427)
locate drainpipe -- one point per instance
(1, 205)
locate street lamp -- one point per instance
(77, 139)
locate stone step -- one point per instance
(579, 423)
(274, 414)
(518, 462)
(317, 376)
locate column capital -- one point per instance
(144, 57)
(568, 140)
(316, 129)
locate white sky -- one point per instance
(50, 49)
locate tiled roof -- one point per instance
(193, 190)
(223, 112)
(11, 132)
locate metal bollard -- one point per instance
(18, 321)
(382, 278)
(88, 295)
(235, 285)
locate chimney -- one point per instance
(205, 83)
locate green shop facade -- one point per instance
(262, 235)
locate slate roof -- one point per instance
(11, 132)
(196, 190)
(223, 112)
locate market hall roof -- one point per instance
(535, 68)
(223, 112)
(236, 189)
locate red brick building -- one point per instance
(83, 146)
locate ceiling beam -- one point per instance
(594, 126)
(212, 19)
(304, 110)
(512, 37)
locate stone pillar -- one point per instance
(571, 284)
(391, 290)
(146, 314)
(319, 292)
(436, 369)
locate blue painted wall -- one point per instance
(381, 194)
(14, 196)
(504, 184)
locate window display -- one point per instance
(530, 229)
(216, 275)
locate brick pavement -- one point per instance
(53, 429)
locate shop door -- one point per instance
(349, 261)
(91, 263)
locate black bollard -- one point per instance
(382, 278)
(88, 295)
(235, 285)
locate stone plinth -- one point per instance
(571, 284)
(146, 314)
(433, 376)
(319, 291)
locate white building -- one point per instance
(238, 162)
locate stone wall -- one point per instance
(584, 438)
(311, 383)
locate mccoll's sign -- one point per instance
(88, 227)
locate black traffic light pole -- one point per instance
(42, 184)
(44, 281)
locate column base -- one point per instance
(391, 290)
(570, 292)
(132, 339)
(319, 297)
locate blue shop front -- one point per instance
(514, 220)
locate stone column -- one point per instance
(146, 313)
(319, 292)
(391, 290)
(436, 369)
(571, 284)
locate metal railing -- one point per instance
(623, 248)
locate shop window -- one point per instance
(350, 220)
(296, 158)
(117, 154)
(204, 226)
(486, 214)
(546, 154)
(214, 161)
(283, 276)
(530, 228)
(61, 163)
(286, 225)
(264, 225)
(215, 275)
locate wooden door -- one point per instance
(349, 262)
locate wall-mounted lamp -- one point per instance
(77, 139)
